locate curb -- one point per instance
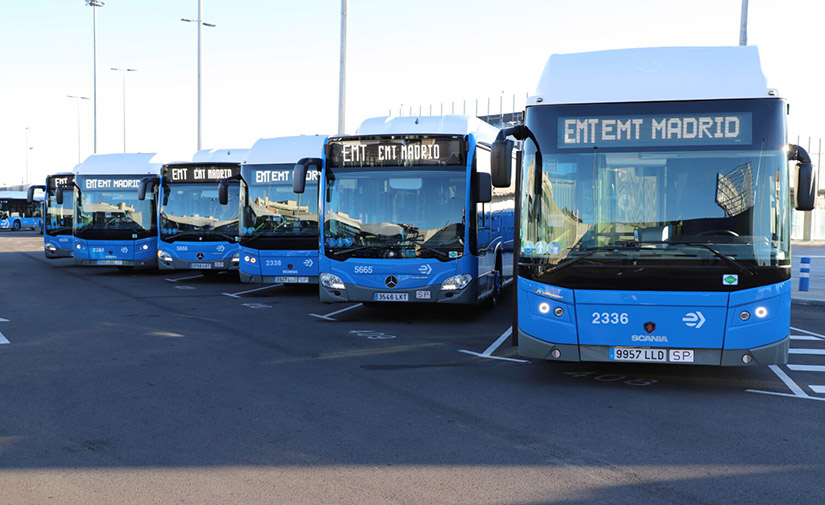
(807, 301)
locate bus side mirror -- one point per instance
(58, 195)
(805, 183)
(223, 189)
(30, 194)
(299, 173)
(484, 187)
(146, 184)
(501, 159)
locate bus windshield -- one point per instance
(108, 207)
(192, 212)
(59, 218)
(272, 209)
(411, 213)
(664, 205)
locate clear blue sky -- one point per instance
(271, 67)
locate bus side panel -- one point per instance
(538, 306)
(279, 266)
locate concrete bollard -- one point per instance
(805, 274)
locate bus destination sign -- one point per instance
(278, 176)
(199, 173)
(712, 129)
(113, 183)
(396, 152)
(55, 181)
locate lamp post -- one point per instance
(78, 98)
(201, 24)
(342, 72)
(123, 73)
(94, 4)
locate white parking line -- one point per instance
(809, 332)
(807, 368)
(805, 337)
(238, 295)
(818, 389)
(3, 339)
(185, 278)
(328, 316)
(820, 352)
(488, 353)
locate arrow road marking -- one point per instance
(694, 319)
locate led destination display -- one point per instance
(199, 173)
(396, 152)
(54, 182)
(655, 130)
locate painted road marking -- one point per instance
(185, 278)
(328, 317)
(805, 337)
(3, 339)
(809, 332)
(185, 287)
(238, 295)
(488, 353)
(820, 352)
(807, 368)
(818, 389)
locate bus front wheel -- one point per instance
(16, 226)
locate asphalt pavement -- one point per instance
(160, 388)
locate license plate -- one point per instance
(423, 295)
(391, 297)
(200, 266)
(292, 280)
(681, 355)
(109, 262)
(638, 354)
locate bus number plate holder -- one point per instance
(200, 266)
(292, 280)
(392, 297)
(109, 262)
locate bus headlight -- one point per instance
(164, 256)
(331, 281)
(236, 258)
(145, 247)
(456, 282)
(760, 312)
(250, 259)
(50, 248)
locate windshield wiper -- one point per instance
(420, 244)
(348, 250)
(729, 261)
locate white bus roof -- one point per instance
(285, 149)
(14, 194)
(651, 75)
(433, 125)
(119, 164)
(220, 156)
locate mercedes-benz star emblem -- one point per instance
(391, 281)
(200, 255)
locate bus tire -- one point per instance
(492, 300)
(15, 225)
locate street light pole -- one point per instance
(743, 24)
(94, 4)
(201, 24)
(78, 98)
(123, 73)
(342, 76)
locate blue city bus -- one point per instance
(195, 231)
(278, 228)
(16, 212)
(653, 209)
(57, 229)
(409, 214)
(112, 227)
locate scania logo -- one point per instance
(648, 338)
(391, 281)
(650, 326)
(200, 255)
